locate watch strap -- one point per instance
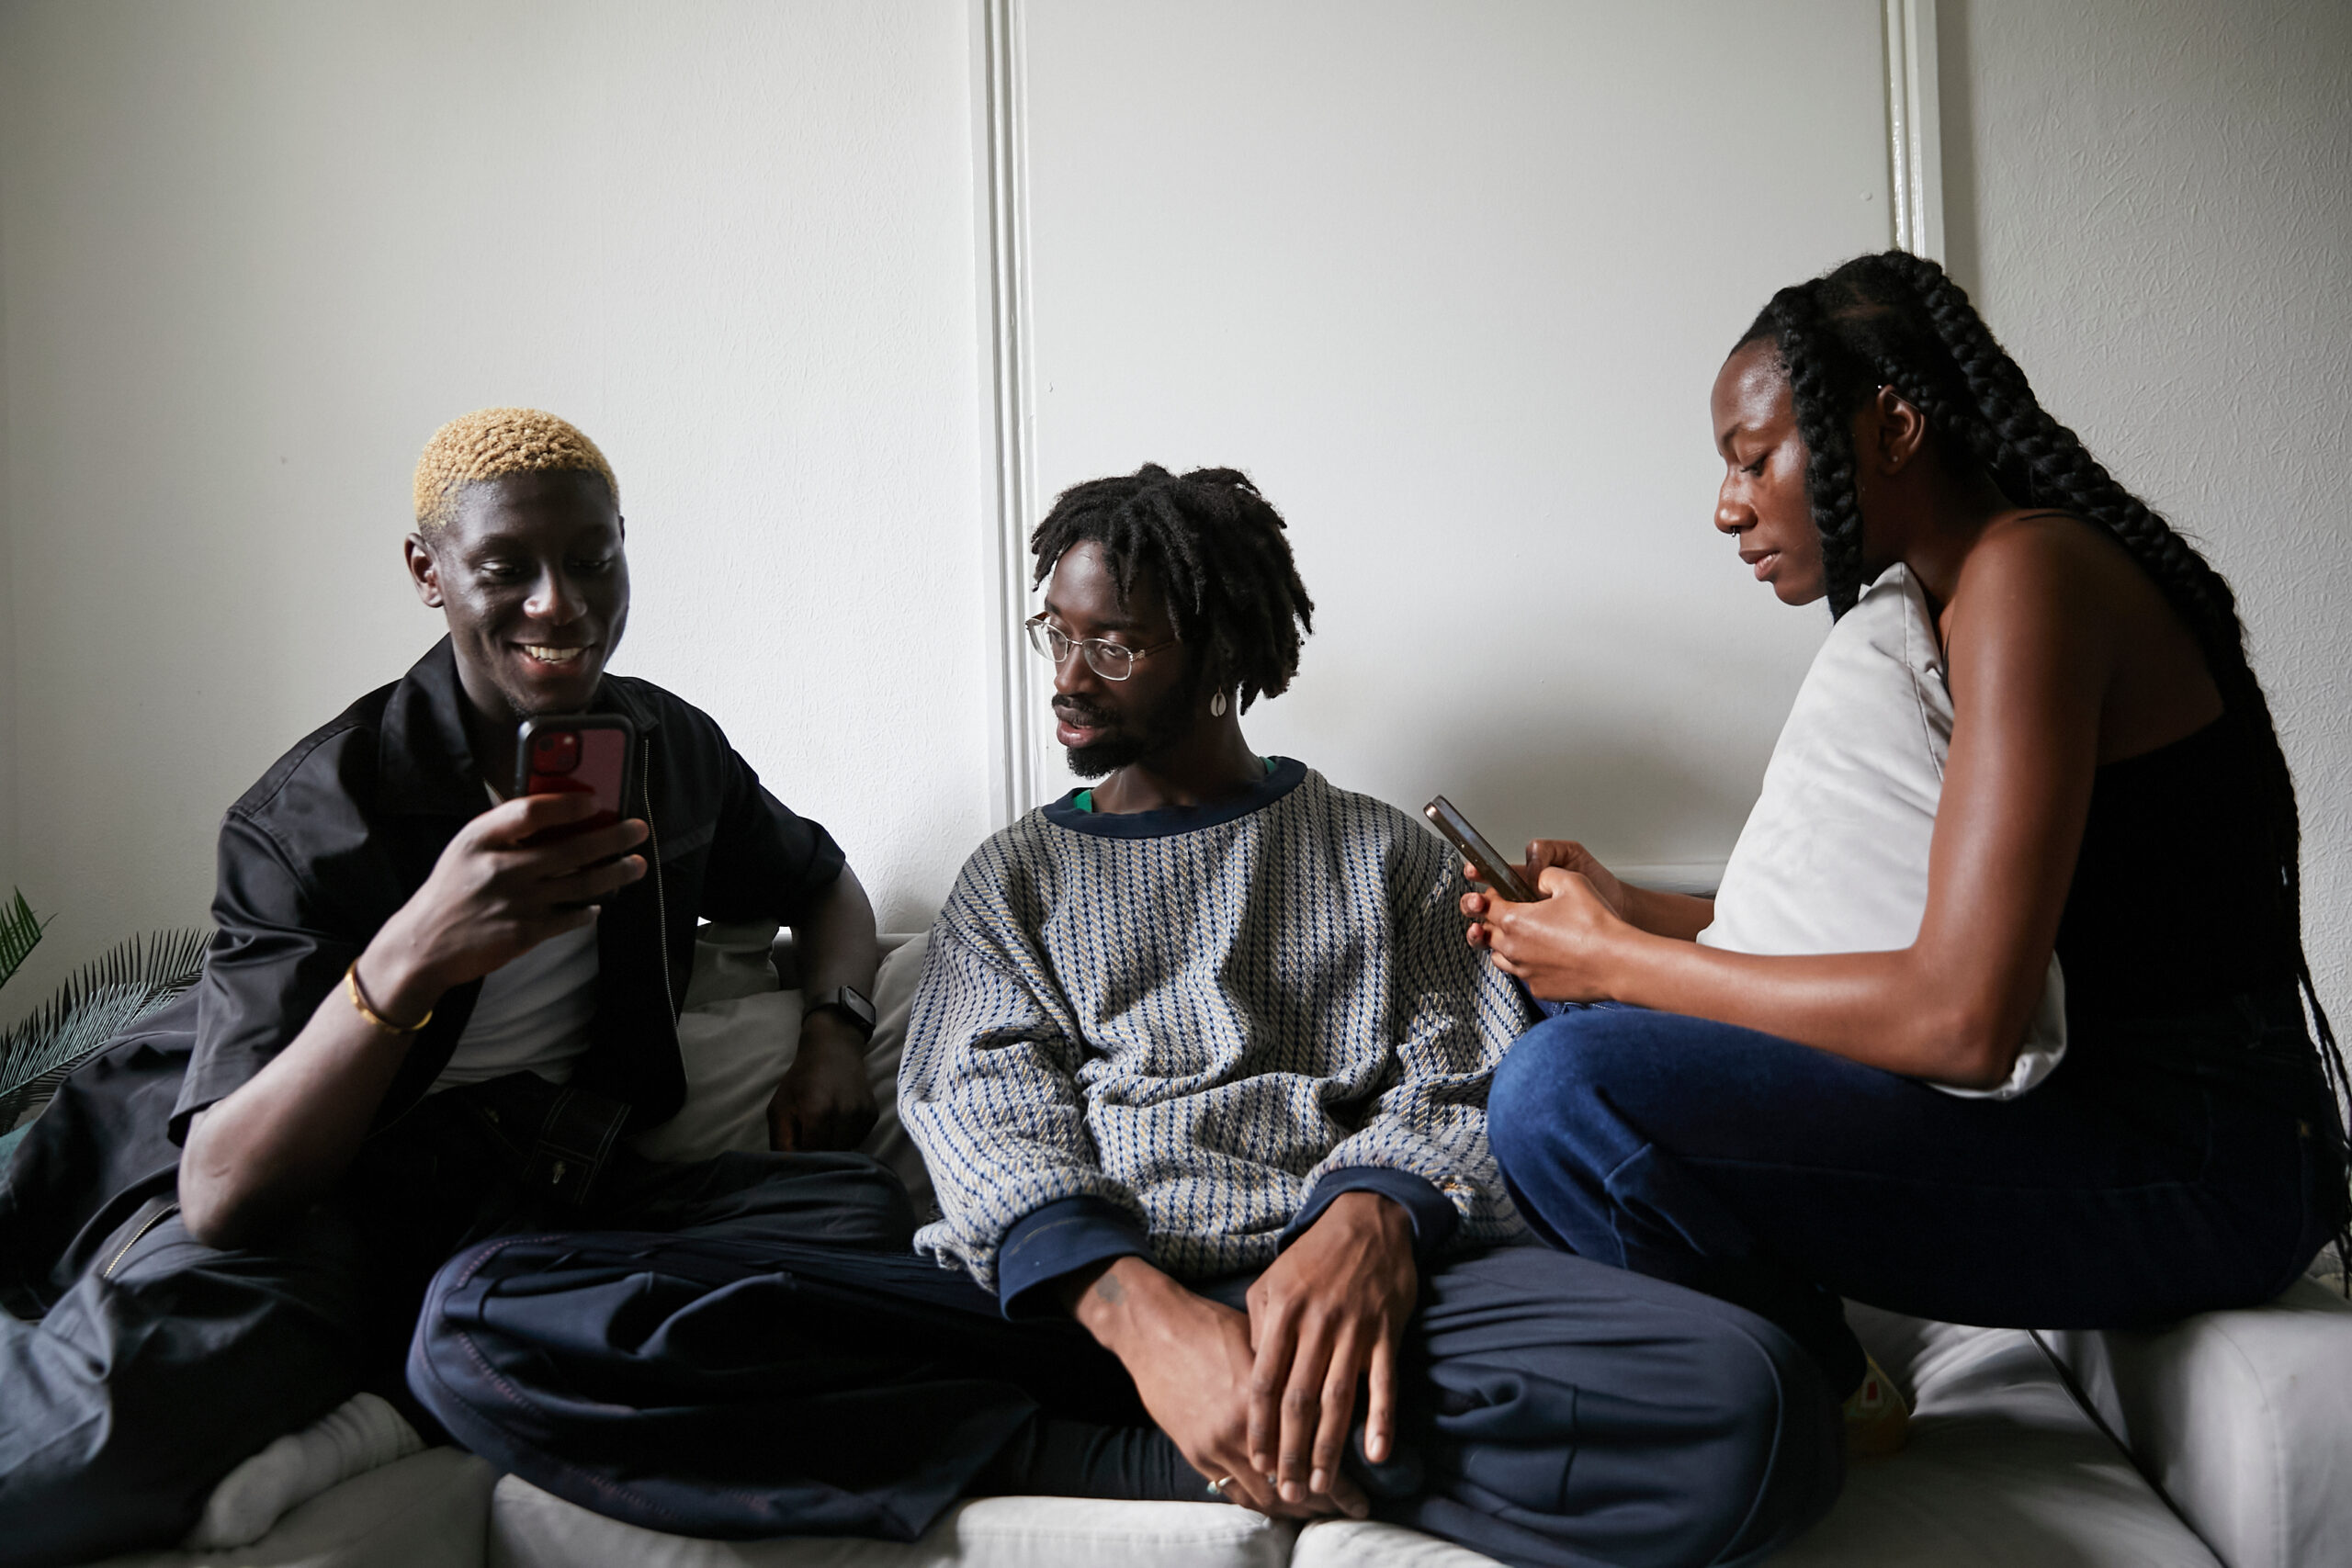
(849, 1002)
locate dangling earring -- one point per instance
(1217, 705)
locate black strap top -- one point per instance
(2176, 901)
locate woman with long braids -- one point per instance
(1775, 1130)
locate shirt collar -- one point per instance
(1286, 774)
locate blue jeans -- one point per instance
(2164, 1168)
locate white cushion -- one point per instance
(530, 1528)
(1833, 857)
(1347, 1543)
(894, 1003)
(2244, 1418)
(2002, 1468)
(739, 1034)
(428, 1507)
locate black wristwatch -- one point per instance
(850, 1003)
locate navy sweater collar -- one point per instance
(1287, 774)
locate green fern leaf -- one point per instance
(98, 1002)
(19, 934)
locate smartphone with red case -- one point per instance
(1493, 870)
(576, 753)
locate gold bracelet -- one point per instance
(359, 1000)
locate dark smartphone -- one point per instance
(1493, 870)
(577, 753)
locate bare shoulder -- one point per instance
(2020, 547)
(2038, 564)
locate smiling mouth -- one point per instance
(558, 656)
(1763, 564)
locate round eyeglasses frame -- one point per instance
(1111, 660)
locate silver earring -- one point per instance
(1217, 705)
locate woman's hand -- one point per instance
(1566, 854)
(1677, 915)
(1561, 949)
(1569, 855)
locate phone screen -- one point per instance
(1492, 868)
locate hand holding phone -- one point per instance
(1491, 867)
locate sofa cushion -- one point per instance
(530, 1528)
(428, 1507)
(1351, 1544)
(2002, 1468)
(2243, 1419)
(739, 1034)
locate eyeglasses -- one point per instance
(1111, 660)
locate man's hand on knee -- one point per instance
(1191, 1363)
(1326, 1317)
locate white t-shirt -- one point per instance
(533, 1013)
(532, 1016)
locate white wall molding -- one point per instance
(1000, 146)
(1915, 128)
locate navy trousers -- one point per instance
(2164, 1168)
(160, 1363)
(162, 1368)
(738, 1380)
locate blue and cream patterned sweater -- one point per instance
(1181, 1034)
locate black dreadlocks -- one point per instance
(1895, 320)
(1217, 552)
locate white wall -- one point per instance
(2151, 202)
(251, 255)
(1451, 283)
(252, 252)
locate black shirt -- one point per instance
(319, 854)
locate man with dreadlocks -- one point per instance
(420, 1023)
(1786, 1130)
(1198, 1065)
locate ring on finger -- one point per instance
(1217, 1487)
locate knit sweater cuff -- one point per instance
(1432, 1215)
(1060, 1238)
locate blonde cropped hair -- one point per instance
(489, 444)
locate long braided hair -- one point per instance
(1216, 550)
(1897, 320)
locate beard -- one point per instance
(1155, 730)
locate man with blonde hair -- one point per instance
(425, 1019)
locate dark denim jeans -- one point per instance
(2164, 1168)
